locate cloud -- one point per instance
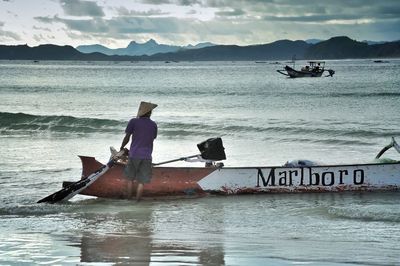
(81, 8)
(123, 11)
(43, 38)
(308, 10)
(173, 2)
(226, 21)
(313, 18)
(122, 25)
(169, 27)
(8, 35)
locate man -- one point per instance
(143, 131)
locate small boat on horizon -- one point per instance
(313, 69)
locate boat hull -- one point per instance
(192, 181)
(302, 74)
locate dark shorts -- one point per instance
(139, 169)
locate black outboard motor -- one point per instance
(331, 72)
(212, 149)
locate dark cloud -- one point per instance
(333, 9)
(41, 28)
(173, 2)
(126, 27)
(48, 20)
(81, 8)
(312, 18)
(123, 11)
(122, 25)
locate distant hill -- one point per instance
(50, 52)
(335, 48)
(343, 47)
(279, 50)
(94, 48)
(136, 49)
(373, 42)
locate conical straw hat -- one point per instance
(145, 107)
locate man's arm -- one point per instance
(125, 140)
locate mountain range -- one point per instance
(136, 49)
(340, 47)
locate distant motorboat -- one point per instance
(313, 69)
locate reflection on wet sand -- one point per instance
(139, 250)
(142, 238)
(116, 249)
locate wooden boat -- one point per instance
(217, 179)
(313, 69)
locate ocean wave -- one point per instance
(313, 132)
(364, 94)
(29, 209)
(21, 122)
(338, 94)
(333, 141)
(376, 213)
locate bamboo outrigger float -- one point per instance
(108, 181)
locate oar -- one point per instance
(68, 192)
(211, 149)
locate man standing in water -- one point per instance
(143, 131)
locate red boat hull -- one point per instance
(166, 181)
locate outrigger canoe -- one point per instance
(300, 176)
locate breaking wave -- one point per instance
(22, 122)
(326, 132)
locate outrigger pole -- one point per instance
(393, 143)
(211, 149)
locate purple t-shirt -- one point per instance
(144, 131)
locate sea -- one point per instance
(53, 111)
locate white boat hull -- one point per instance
(363, 177)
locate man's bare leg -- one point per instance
(139, 191)
(130, 189)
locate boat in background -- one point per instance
(313, 69)
(294, 177)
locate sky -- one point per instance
(115, 23)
